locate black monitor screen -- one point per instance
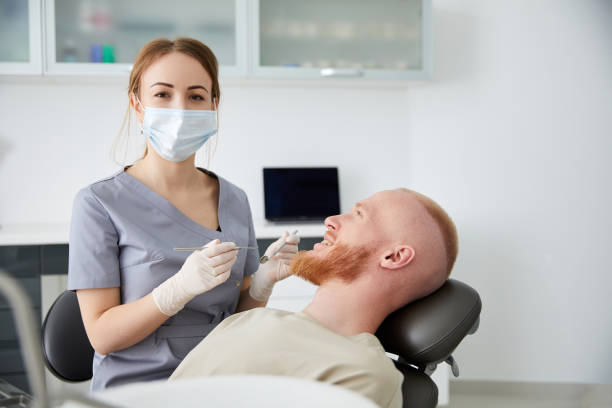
(294, 194)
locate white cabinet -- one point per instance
(295, 39)
(96, 37)
(389, 39)
(20, 34)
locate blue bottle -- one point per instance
(95, 53)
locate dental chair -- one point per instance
(422, 335)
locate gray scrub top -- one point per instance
(122, 234)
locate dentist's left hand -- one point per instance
(276, 269)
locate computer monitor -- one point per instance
(301, 193)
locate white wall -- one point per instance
(62, 141)
(512, 136)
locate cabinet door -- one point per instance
(387, 39)
(89, 37)
(20, 48)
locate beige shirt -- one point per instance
(274, 342)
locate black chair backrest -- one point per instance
(424, 333)
(66, 349)
(427, 331)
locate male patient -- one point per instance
(389, 250)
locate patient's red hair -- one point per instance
(446, 226)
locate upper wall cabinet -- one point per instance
(20, 34)
(380, 40)
(104, 36)
(388, 39)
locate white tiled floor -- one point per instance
(471, 394)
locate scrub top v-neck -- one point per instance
(122, 234)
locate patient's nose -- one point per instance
(332, 222)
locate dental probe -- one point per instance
(265, 258)
(198, 248)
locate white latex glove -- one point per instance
(276, 269)
(202, 271)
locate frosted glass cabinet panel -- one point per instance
(20, 51)
(102, 36)
(384, 39)
(14, 46)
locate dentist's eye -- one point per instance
(197, 98)
(162, 95)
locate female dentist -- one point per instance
(144, 305)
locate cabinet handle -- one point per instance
(335, 72)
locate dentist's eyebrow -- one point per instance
(163, 84)
(198, 87)
(172, 86)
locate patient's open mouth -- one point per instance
(328, 239)
(327, 242)
(320, 245)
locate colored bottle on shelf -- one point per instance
(108, 53)
(69, 51)
(95, 53)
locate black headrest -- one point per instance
(66, 349)
(429, 329)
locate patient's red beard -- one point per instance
(342, 262)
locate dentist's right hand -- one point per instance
(202, 271)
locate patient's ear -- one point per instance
(397, 257)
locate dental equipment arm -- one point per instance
(29, 342)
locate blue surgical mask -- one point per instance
(176, 134)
